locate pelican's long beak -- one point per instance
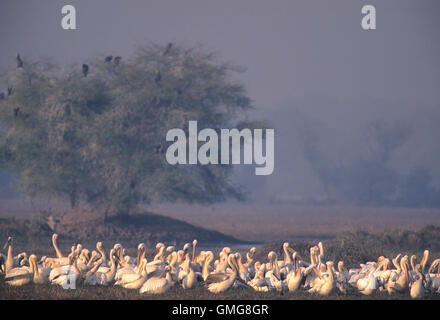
(318, 273)
(7, 243)
(234, 262)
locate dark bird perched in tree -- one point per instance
(158, 149)
(117, 60)
(10, 89)
(167, 49)
(158, 77)
(19, 61)
(2, 96)
(16, 112)
(108, 59)
(85, 69)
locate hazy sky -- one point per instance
(308, 53)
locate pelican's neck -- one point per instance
(158, 256)
(103, 253)
(57, 249)
(287, 258)
(424, 260)
(194, 252)
(9, 260)
(206, 263)
(413, 267)
(330, 273)
(239, 263)
(249, 260)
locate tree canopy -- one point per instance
(95, 132)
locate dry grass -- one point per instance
(268, 223)
(51, 292)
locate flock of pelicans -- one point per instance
(186, 268)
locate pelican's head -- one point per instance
(54, 237)
(114, 255)
(159, 245)
(8, 242)
(180, 255)
(257, 265)
(287, 247)
(330, 265)
(94, 255)
(201, 256)
(194, 242)
(141, 246)
(118, 250)
(272, 256)
(99, 245)
(232, 261)
(252, 252)
(341, 266)
(86, 254)
(294, 254)
(186, 247)
(321, 248)
(170, 249)
(226, 250)
(425, 258)
(33, 261)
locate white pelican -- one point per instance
(103, 278)
(368, 284)
(249, 265)
(222, 263)
(130, 269)
(424, 260)
(184, 266)
(417, 288)
(160, 252)
(67, 274)
(243, 272)
(57, 271)
(295, 276)
(222, 281)
(258, 283)
(272, 268)
(190, 280)
(433, 276)
(16, 276)
(103, 252)
(41, 274)
(326, 284)
(134, 280)
(207, 268)
(55, 246)
(169, 252)
(401, 283)
(157, 285)
(383, 275)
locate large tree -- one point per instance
(96, 134)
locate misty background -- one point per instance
(355, 112)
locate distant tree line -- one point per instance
(369, 178)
